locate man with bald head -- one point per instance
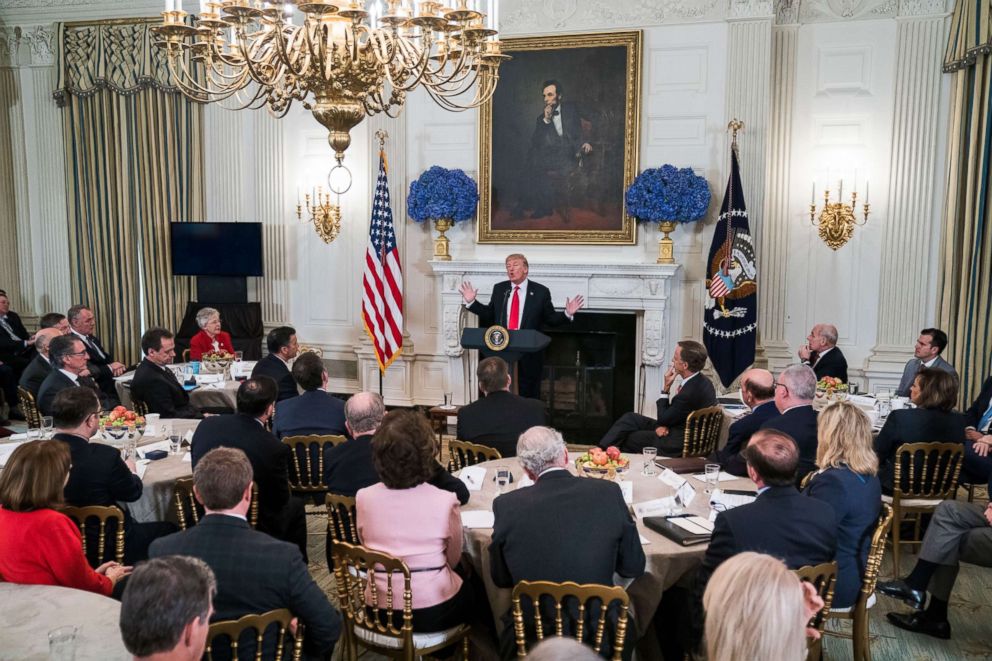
(36, 371)
(758, 394)
(822, 354)
(794, 393)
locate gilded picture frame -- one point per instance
(559, 141)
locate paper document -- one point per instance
(478, 519)
(6, 449)
(729, 500)
(627, 488)
(142, 466)
(158, 445)
(656, 507)
(724, 476)
(473, 477)
(697, 525)
(187, 457)
(671, 478)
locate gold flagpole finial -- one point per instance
(734, 126)
(381, 135)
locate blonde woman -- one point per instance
(848, 481)
(757, 609)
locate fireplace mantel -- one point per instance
(644, 289)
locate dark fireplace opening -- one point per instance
(588, 379)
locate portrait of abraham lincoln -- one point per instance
(559, 141)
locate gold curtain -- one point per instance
(965, 294)
(133, 163)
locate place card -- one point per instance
(627, 488)
(724, 476)
(671, 478)
(656, 507)
(478, 519)
(686, 493)
(187, 457)
(473, 477)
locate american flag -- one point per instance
(382, 284)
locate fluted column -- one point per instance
(906, 249)
(272, 205)
(9, 93)
(773, 231)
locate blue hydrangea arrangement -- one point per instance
(668, 194)
(441, 193)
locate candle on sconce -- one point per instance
(812, 195)
(170, 5)
(203, 7)
(866, 191)
(840, 191)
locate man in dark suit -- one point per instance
(499, 417)
(794, 393)
(758, 394)
(283, 347)
(822, 354)
(99, 476)
(55, 320)
(155, 384)
(519, 303)
(978, 434)
(633, 432)
(103, 368)
(41, 366)
(255, 573)
(315, 411)
(926, 354)
(279, 514)
(15, 352)
(542, 532)
(68, 356)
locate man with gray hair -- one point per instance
(542, 532)
(348, 466)
(68, 356)
(40, 366)
(166, 609)
(822, 354)
(794, 393)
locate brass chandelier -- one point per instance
(342, 59)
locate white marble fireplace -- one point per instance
(645, 289)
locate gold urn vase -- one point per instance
(441, 243)
(666, 247)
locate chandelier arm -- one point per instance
(191, 87)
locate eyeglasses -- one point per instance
(777, 384)
(79, 353)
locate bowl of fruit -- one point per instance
(122, 423)
(831, 389)
(216, 362)
(597, 462)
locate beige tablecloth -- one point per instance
(155, 503)
(666, 560)
(29, 612)
(206, 396)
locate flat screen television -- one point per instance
(218, 249)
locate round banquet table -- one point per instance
(30, 611)
(666, 561)
(208, 395)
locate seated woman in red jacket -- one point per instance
(210, 337)
(38, 545)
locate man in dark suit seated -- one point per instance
(781, 522)
(255, 573)
(283, 347)
(99, 476)
(499, 417)
(315, 411)
(279, 513)
(155, 384)
(68, 356)
(958, 532)
(977, 465)
(634, 432)
(101, 364)
(758, 394)
(15, 352)
(41, 366)
(55, 320)
(794, 393)
(822, 354)
(563, 528)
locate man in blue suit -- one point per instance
(315, 411)
(758, 394)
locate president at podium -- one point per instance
(517, 304)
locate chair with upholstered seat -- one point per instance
(28, 407)
(99, 516)
(369, 622)
(582, 611)
(925, 475)
(227, 635)
(823, 577)
(858, 613)
(702, 432)
(463, 453)
(189, 511)
(306, 466)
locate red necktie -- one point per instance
(515, 310)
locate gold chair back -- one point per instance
(807, 478)
(81, 516)
(463, 453)
(189, 511)
(367, 608)
(28, 407)
(306, 474)
(309, 348)
(233, 629)
(563, 595)
(702, 432)
(341, 526)
(138, 406)
(927, 470)
(823, 577)
(185, 355)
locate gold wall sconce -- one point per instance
(836, 221)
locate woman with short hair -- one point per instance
(211, 337)
(407, 517)
(848, 481)
(38, 545)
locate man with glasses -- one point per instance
(155, 384)
(68, 355)
(794, 393)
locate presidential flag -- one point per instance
(730, 317)
(382, 284)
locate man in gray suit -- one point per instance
(926, 354)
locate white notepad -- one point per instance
(696, 525)
(478, 519)
(473, 477)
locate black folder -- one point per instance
(673, 532)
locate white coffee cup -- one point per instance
(899, 403)
(151, 421)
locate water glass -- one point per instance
(175, 443)
(502, 477)
(47, 425)
(650, 454)
(448, 400)
(712, 477)
(34, 433)
(62, 644)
